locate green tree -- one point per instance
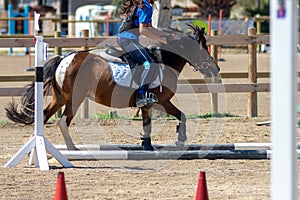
(252, 9)
(248, 7)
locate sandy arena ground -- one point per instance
(166, 179)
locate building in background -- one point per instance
(66, 9)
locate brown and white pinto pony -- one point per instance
(89, 75)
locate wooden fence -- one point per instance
(224, 40)
(185, 86)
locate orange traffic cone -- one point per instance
(202, 193)
(61, 190)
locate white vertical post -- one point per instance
(284, 32)
(162, 17)
(39, 58)
(39, 106)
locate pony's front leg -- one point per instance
(146, 137)
(170, 109)
(64, 127)
(181, 132)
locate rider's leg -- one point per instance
(143, 96)
(138, 52)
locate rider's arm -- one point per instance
(143, 25)
(144, 16)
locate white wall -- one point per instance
(183, 3)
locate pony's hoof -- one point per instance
(147, 146)
(180, 144)
(73, 148)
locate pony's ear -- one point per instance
(191, 25)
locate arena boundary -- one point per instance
(252, 40)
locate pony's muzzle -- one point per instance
(215, 69)
(209, 69)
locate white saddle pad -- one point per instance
(122, 75)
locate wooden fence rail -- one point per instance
(225, 40)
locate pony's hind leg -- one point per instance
(147, 129)
(64, 124)
(53, 106)
(72, 103)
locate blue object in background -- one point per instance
(113, 28)
(18, 26)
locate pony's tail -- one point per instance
(23, 113)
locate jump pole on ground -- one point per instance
(169, 155)
(38, 144)
(173, 147)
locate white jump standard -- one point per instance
(38, 145)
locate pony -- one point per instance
(82, 74)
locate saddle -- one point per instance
(126, 73)
(124, 56)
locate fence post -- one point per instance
(85, 104)
(252, 75)
(214, 54)
(258, 29)
(57, 51)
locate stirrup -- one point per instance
(146, 99)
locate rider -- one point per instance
(138, 15)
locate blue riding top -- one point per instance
(143, 15)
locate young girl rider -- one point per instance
(138, 15)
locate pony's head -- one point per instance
(194, 50)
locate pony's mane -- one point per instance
(199, 34)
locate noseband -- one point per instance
(208, 61)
